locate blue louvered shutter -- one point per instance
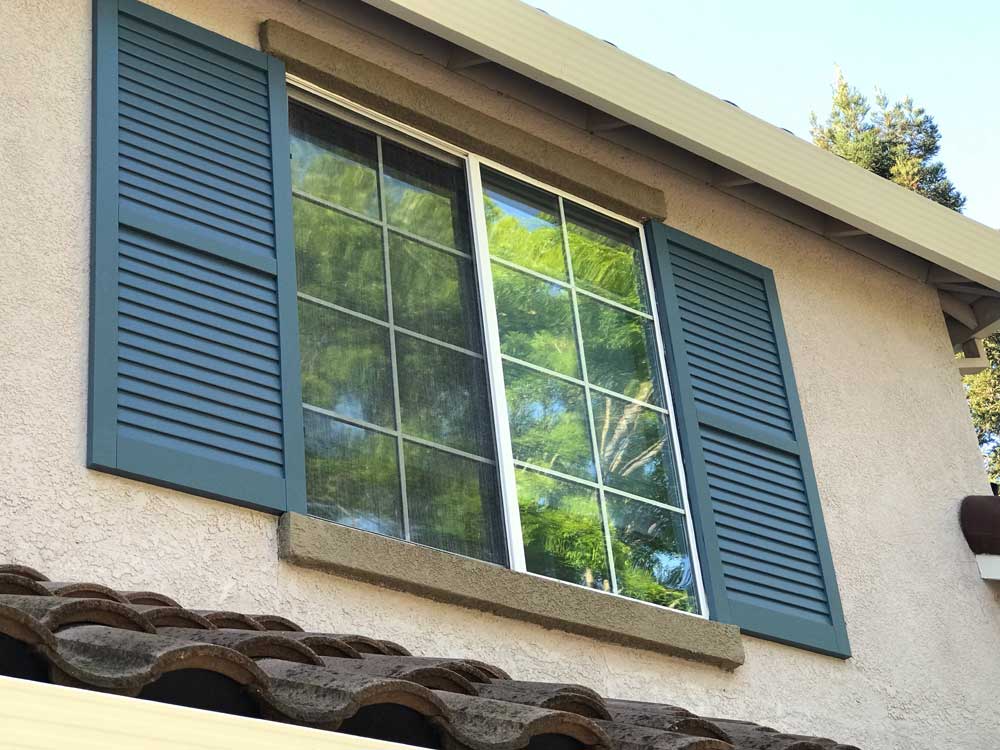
(194, 378)
(758, 517)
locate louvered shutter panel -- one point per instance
(194, 378)
(760, 527)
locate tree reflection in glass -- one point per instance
(339, 166)
(425, 197)
(606, 255)
(607, 398)
(634, 447)
(362, 358)
(548, 422)
(650, 550)
(535, 318)
(352, 475)
(618, 345)
(452, 502)
(522, 225)
(562, 530)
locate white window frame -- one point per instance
(303, 91)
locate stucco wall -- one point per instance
(892, 443)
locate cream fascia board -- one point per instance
(568, 60)
(38, 716)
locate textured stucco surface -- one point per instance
(891, 439)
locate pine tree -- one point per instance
(896, 141)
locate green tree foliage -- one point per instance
(896, 141)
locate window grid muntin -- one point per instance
(656, 374)
(337, 106)
(566, 285)
(577, 381)
(387, 230)
(303, 195)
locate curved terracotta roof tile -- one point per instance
(667, 718)
(83, 591)
(637, 737)
(445, 676)
(125, 661)
(484, 724)
(14, 583)
(231, 620)
(23, 627)
(575, 699)
(276, 622)
(172, 617)
(473, 671)
(22, 570)
(252, 643)
(323, 644)
(56, 612)
(150, 598)
(320, 696)
(366, 645)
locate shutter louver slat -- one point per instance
(191, 224)
(760, 525)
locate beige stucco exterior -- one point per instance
(891, 439)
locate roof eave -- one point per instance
(568, 60)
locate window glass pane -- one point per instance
(443, 396)
(536, 321)
(548, 422)
(562, 530)
(617, 345)
(454, 503)
(610, 396)
(606, 256)
(338, 258)
(352, 475)
(333, 161)
(522, 225)
(425, 197)
(345, 364)
(635, 449)
(420, 250)
(434, 293)
(650, 550)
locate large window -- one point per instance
(481, 365)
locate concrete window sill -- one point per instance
(442, 576)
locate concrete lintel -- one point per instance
(442, 576)
(394, 95)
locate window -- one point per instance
(402, 388)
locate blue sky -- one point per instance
(775, 59)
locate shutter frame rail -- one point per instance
(166, 215)
(701, 424)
